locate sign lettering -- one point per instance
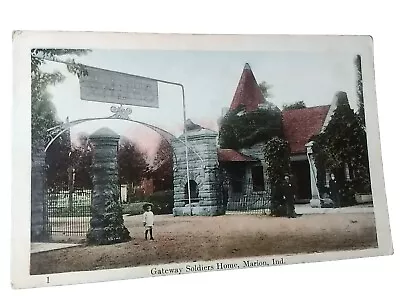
(114, 87)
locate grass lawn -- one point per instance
(190, 239)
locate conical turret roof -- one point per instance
(248, 93)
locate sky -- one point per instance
(210, 79)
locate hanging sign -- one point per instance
(101, 85)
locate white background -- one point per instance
(366, 278)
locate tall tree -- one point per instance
(44, 116)
(162, 170)
(81, 161)
(132, 163)
(58, 162)
(360, 92)
(295, 105)
(43, 111)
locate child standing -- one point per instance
(148, 221)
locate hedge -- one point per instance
(162, 201)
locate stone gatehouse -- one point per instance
(228, 179)
(219, 179)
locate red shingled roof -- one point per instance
(248, 92)
(232, 155)
(299, 125)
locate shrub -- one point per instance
(132, 198)
(163, 202)
(347, 194)
(133, 209)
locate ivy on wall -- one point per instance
(277, 157)
(240, 129)
(114, 228)
(343, 144)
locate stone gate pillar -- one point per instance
(39, 217)
(203, 170)
(107, 223)
(316, 200)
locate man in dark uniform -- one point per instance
(334, 191)
(288, 196)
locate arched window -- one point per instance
(194, 191)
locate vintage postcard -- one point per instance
(139, 155)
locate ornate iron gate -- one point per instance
(241, 197)
(68, 212)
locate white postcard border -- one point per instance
(21, 175)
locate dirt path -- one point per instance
(189, 239)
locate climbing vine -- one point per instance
(240, 129)
(277, 154)
(113, 229)
(343, 145)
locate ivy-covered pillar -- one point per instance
(39, 217)
(107, 223)
(276, 153)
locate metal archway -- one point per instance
(120, 113)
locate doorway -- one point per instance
(301, 180)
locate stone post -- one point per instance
(313, 172)
(107, 223)
(316, 200)
(39, 217)
(203, 165)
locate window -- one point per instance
(237, 185)
(194, 191)
(257, 174)
(237, 179)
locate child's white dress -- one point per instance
(148, 219)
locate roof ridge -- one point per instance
(300, 124)
(311, 107)
(249, 157)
